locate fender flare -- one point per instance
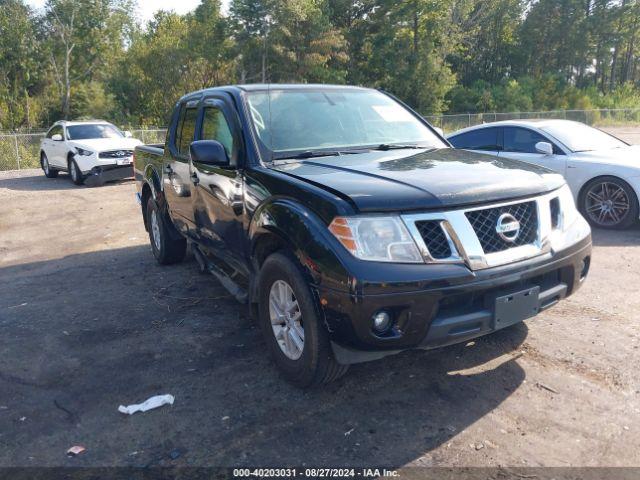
(305, 234)
(152, 178)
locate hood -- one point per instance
(624, 156)
(395, 180)
(106, 144)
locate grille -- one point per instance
(554, 206)
(484, 223)
(116, 154)
(435, 239)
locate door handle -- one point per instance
(168, 170)
(194, 178)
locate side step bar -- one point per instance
(232, 287)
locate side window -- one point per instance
(482, 139)
(522, 140)
(215, 127)
(54, 130)
(176, 140)
(187, 130)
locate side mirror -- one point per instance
(208, 152)
(56, 137)
(545, 148)
(127, 134)
(439, 130)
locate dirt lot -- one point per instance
(90, 322)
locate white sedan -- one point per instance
(602, 170)
(93, 150)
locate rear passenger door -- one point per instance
(482, 140)
(520, 144)
(219, 206)
(177, 182)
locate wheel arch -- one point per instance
(283, 224)
(144, 199)
(583, 187)
(635, 206)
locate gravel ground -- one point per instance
(90, 322)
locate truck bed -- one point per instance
(153, 148)
(146, 155)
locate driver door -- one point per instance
(520, 144)
(55, 149)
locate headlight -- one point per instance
(568, 211)
(83, 152)
(378, 239)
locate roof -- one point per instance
(256, 87)
(295, 86)
(525, 122)
(69, 123)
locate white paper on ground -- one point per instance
(149, 404)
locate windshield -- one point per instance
(579, 137)
(288, 121)
(93, 130)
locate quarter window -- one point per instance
(215, 127)
(482, 139)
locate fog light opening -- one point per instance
(381, 322)
(584, 269)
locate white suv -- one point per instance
(94, 151)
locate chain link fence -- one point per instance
(596, 118)
(22, 150)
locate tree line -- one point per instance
(91, 58)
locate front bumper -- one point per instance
(450, 307)
(107, 173)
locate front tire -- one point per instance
(609, 202)
(75, 173)
(295, 334)
(46, 168)
(166, 247)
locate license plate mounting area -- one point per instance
(516, 307)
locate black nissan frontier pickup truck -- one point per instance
(350, 227)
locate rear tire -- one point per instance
(314, 363)
(166, 247)
(75, 172)
(46, 168)
(609, 202)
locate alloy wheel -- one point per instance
(607, 204)
(286, 319)
(155, 230)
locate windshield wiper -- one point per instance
(397, 146)
(314, 154)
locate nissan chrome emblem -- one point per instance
(508, 227)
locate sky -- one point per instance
(146, 8)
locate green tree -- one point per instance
(252, 21)
(20, 73)
(489, 41)
(405, 51)
(83, 39)
(288, 41)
